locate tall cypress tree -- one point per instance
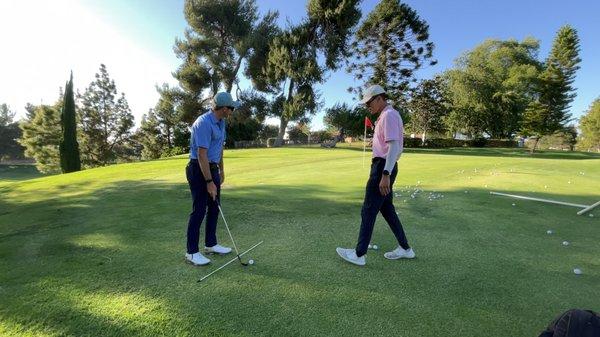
(69, 148)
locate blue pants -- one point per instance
(374, 203)
(201, 202)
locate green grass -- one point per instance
(100, 252)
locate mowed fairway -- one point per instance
(100, 252)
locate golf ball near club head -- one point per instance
(565, 243)
(250, 261)
(577, 271)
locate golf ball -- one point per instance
(370, 246)
(565, 243)
(250, 261)
(549, 232)
(577, 271)
(591, 215)
(375, 247)
(514, 204)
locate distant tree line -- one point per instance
(500, 89)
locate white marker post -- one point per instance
(586, 208)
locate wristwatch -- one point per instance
(386, 172)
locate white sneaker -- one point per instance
(197, 259)
(217, 249)
(400, 253)
(350, 256)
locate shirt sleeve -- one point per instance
(202, 134)
(392, 127)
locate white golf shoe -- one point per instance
(350, 256)
(217, 249)
(400, 253)
(197, 259)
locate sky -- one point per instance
(43, 41)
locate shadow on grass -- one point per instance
(18, 172)
(128, 239)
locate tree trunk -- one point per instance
(537, 139)
(229, 84)
(282, 126)
(423, 138)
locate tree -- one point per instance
(41, 137)
(150, 137)
(299, 57)
(9, 134)
(105, 121)
(222, 34)
(342, 117)
(166, 114)
(556, 86)
(69, 148)
(391, 44)
(428, 107)
(492, 86)
(6, 115)
(246, 122)
(590, 128)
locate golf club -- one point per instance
(228, 263)
(231, 236)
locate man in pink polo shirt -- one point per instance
(387, 147)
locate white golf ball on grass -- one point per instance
(375, 247)
(549, 231)
(565, 243)
(250, 262)
(577, 271)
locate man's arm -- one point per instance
(222, 168)
(205, 169)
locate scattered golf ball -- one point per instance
(485, 186)
(591, 215)
(577, 271)
(514, 204)
(370, 246)
(250, 261)
(565, 243)
(545, 186)
(375, 247)
(549, 231)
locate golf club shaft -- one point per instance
(226, 264)
(228, 231)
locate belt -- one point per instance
(377, 159)
(212, 166)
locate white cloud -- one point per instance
(42, 41)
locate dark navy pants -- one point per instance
(374, 203)
(201, 202)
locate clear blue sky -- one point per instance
(455, 27)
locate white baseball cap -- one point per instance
(371, 92)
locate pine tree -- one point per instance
(300, 56)
(69, 148)
(590, 128)
(41, 137)
(391, 44)
(150, 137)
(105, 121)
(551, 113)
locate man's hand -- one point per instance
(212, 190)
(384, 185)
(222, 175)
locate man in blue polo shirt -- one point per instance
(205, 174)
